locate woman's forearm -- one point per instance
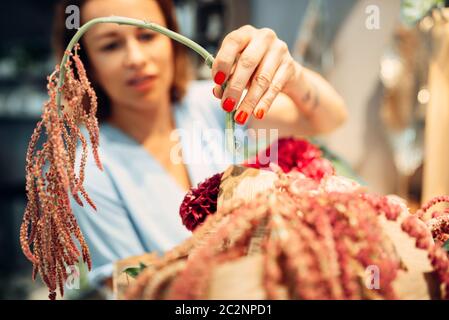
(318, 102)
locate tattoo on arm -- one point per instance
(306, 97)
(311, 96)
(317, 97)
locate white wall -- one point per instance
(357, 52)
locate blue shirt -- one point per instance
(137, 200)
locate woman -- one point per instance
(141, 78)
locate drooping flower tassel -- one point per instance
(49, 230)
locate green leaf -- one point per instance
(132, 272)
(142, 266)
(135, 271)
(446, 246)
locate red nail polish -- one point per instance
(259, 114)
(241, 117)
(229, 104)
(219, 78)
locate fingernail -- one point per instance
(241, 117)
(259, 114)
(219, 78)
(229, 104)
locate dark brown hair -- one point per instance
(61, 37)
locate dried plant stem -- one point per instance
(208, 58)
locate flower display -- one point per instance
(288, 153)
(316, 242)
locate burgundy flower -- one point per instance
(200, 202)
(291, 153)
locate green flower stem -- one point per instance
(229, 133)
(208, 58)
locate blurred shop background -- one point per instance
(381, 70)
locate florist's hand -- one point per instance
(255, 59)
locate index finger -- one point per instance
(233, 44)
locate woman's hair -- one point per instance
(61, 37)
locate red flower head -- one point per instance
(294, 154)
(200, 202)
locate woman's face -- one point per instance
(134, 66)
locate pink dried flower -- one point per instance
(49, 230)
(315, 244)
